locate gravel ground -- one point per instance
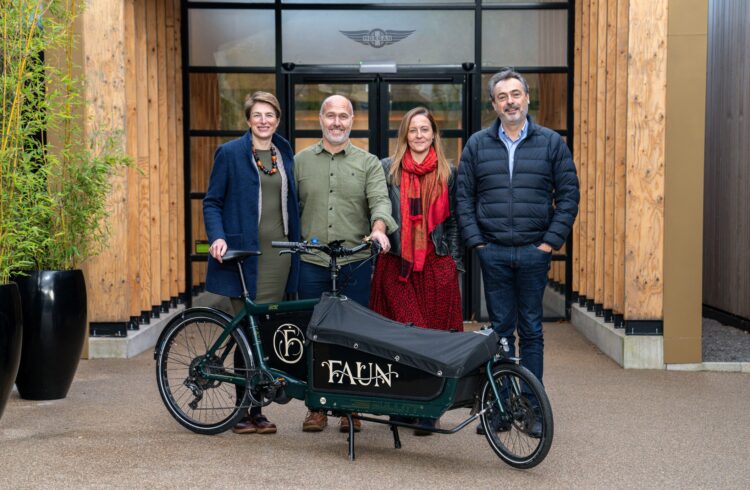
(723, 343)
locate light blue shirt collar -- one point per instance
(504, 136)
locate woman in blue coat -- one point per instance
(251, 201)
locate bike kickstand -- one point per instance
(351, 437)
(396, 438)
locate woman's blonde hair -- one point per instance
(402, 144)
(261, 96)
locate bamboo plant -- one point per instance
(55, 178)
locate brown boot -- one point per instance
(262, 425)
(245, 426)
(344, 427)
(314, 421)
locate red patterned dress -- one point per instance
(429, 299)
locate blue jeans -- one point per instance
(514, 283)
(315, 280)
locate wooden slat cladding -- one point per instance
(619, 128)
(644, 213)
(138, 91)
(106, 275)
(726, 258)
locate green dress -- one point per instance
(273, 269)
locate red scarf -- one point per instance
(424, 205)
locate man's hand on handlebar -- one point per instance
(218, 249)
(378, 235)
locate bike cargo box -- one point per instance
(359, 352)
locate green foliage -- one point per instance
(54, 179)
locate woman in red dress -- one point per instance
(417, 281)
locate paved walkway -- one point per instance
(613, 429)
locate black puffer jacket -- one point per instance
(444, 236)
(538, 205)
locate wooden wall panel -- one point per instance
(133, 177)
(609, 157)
(591, 167)
(726, 257)
(172, 146)
(164, 149)
(104, 68)
(143, 233)
(152, 81)
(621, 126)
(614, 67)
(179, 150)
(577, 136)
(644, 218)
(583, 156)
(131, 53)
(600, 137)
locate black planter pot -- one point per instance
(11, 331)
(54, 330)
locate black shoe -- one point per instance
(426, 426)
(536, 430)
(496, 422)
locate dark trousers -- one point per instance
(514, 283)
(353, 281)
(237, 305)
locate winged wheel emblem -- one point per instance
(377, 38)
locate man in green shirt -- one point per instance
(343, 196)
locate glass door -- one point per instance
(379, 104)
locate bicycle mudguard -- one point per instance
(204, 310)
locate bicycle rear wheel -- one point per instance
(202, 405)
(520, 432)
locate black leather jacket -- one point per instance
(444, 236)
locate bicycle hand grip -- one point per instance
(284, 244)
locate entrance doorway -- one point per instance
(380, 101)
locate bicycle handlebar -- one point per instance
(333, 249)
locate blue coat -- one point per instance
(230, 211)
(538, 205)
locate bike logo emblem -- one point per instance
(288, 343)
(377, 38)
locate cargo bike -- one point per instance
(342, 358)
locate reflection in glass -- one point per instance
(217, 99)
(451, 146)
(405, 36)
(443, 99)
(495, 2)
(225, 37)
(524, 37)
(232, 1)
(548, 94)
(202, 150)
(302, 143)
(401, 2)
(308, 97)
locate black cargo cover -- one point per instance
(341, 321)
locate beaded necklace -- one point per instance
(266, 171)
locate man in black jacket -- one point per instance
(517, 198)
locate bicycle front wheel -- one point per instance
(204, 406)
(518, 425)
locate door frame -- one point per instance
(378, 122)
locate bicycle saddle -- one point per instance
(236, 255)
